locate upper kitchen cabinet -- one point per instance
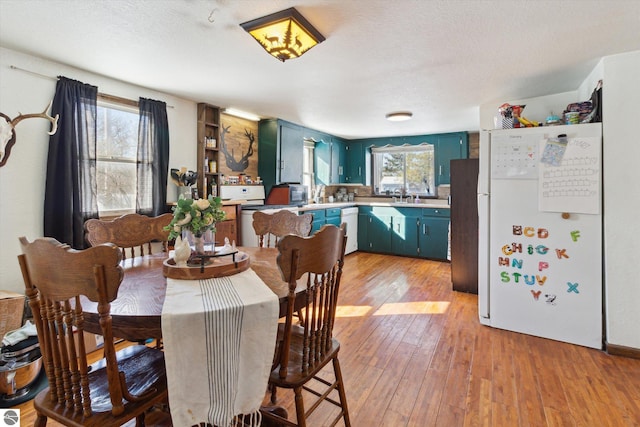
(449, 147)
(208, 136)
(280, 151)
(355, 163)
(330, 158)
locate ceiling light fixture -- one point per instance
(241, 114)
(399, 116)
(285, 34)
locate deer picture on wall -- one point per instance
(8, 132)
(230, 160)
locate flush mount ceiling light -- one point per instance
(399, 116)
(285, 34)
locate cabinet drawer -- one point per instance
(441, 212)
(317, 215)
(230, 212)
(333, 212)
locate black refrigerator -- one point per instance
(464, 225)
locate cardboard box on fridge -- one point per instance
(11, 311)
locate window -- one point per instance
(307, 165)
(116, 150)
(405, 169)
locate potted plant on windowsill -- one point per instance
(195, 217)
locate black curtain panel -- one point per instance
(70, 190)
(153, 158)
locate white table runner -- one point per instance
(219, 337)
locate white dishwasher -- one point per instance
(350, 217)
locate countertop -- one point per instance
(427, 203)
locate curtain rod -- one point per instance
(104, 95)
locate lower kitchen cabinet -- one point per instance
(324, 216)
(229, 227)
(374, 229)
(412, 232)
(434, 233)
(404, 233)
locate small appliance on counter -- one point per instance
(288, 194)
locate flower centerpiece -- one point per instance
(196, 217)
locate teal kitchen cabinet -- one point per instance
(324, 216)
(434, 233)
(404, 232)
(449, 147)
(330, 158)
(279, 152)
(374, 229)
(318, 219)
(338, 160)
(388, 230)
(355, 163)
(333, 216)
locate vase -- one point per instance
(201, 242)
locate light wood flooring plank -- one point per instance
(414, 354)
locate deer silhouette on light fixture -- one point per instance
(231, 162)
(8, 132)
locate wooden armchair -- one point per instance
(304, 350)
(130, 231)
(280, 224)
(114, 390)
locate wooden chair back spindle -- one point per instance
(113, 390)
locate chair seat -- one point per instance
(144, 372)
(295, 377)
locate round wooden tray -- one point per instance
(218, 266)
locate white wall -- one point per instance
(22, 178)
(621, 175)
(621, 154)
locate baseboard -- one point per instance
(620, 350)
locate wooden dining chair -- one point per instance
(302, 351)
(275, 226)
(112, 391)
(270, 228)
(132, 232)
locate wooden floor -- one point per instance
(414, 354)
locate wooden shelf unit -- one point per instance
(208, 143)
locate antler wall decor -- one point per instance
(8, 132)
(232, 163)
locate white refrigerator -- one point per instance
(540, 232)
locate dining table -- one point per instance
(227, 365)
(137, 311)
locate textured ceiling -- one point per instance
(438, 59)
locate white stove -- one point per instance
(250, 195)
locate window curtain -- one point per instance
(70, 190)
(153, 158)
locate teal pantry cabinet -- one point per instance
(280, 151)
